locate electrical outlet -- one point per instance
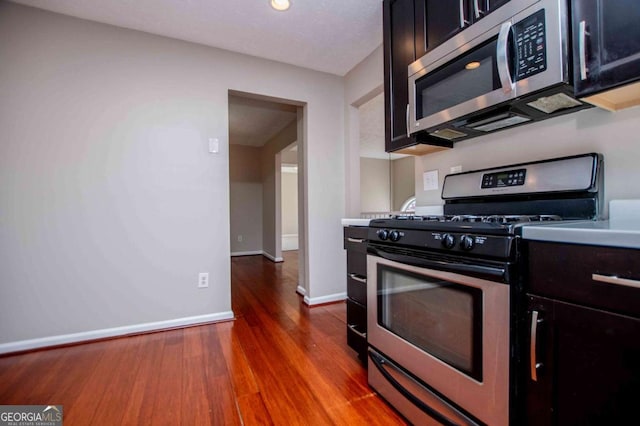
(203, 280)
(239, 238)
(455, 169)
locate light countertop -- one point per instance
(621, 230)
(355, 222)
(599, 233)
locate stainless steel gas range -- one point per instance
(443, 291)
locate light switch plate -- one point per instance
(214, 145)
(430, 180)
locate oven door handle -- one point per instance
(393, 376)
(441, 264)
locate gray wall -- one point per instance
(245, 197)
(615, 135)
(110, 202)
(403, 180)
(375, 185)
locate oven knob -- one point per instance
(466, 242)
(448, 241)
(394, 236)
(383, 234)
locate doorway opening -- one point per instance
(289, 197)
(266, 145)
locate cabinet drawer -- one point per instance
(356, 315)
(356, 232)
(357, 340)
(578, 274)
(357, 288)
(356, 263)
(355, 238)
(357, 327)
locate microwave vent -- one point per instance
(448, 134)
(499, 121)
(553, 103)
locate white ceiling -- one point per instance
(325, 35)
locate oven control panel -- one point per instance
(486, 245)
(470, 242)
(504, 178)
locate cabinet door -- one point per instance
(444, 19)
(588, 365)
(488, 6)
(606, 44)
(399, 52)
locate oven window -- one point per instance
(442, 318)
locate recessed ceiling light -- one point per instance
(280, 4)
(472, 65)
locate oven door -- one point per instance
(450, 332)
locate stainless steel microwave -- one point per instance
(509, 68)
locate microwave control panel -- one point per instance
(502, 179)
(530, 44)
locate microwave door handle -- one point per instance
(502, 56)
(407, 121)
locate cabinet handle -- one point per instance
(582, 48)
(612, 279)
(463, 22)
(476, 9)
(535, 365)
(502, 54)
(355, 240)
(358, 278)
(407, 121)
(352, 327)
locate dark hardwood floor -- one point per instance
(280, 362)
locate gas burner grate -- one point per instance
(469, 218)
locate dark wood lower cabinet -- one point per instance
(355, 243)
(582, 353)
(588, 366)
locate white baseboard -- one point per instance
(246, 253)
(272, 258)
(257, 252)
(63, 339)
(325, 299)
(301, 290)
(289, 242)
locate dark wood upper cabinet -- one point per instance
(399, 52)
(444, 19)
(404, 25)
(412, 28)
(491, 5)
(606, 51)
